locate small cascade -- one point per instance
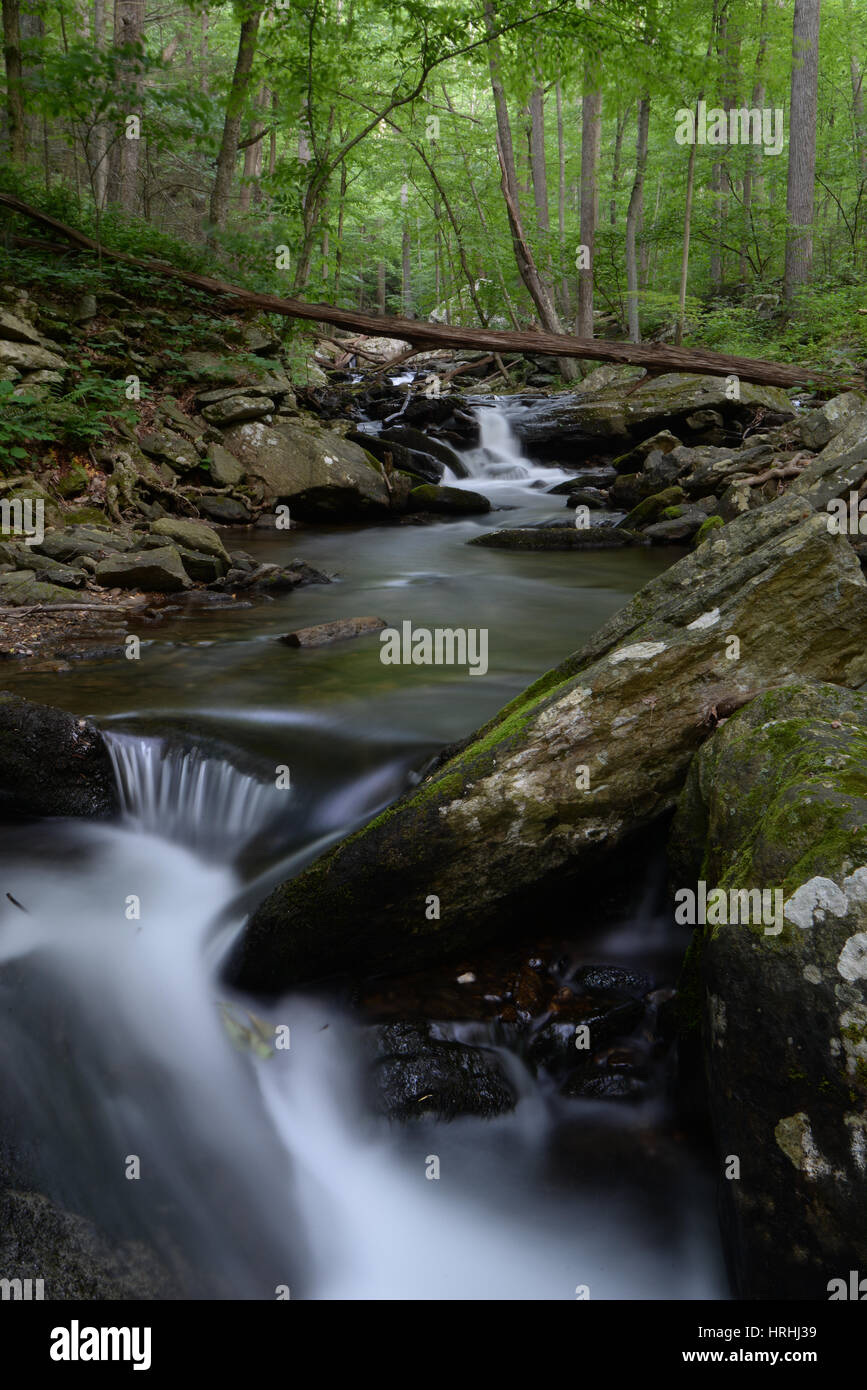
(183, 795)
(498, 453)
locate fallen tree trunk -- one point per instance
(655, 358)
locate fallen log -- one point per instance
(655, 358)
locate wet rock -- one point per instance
(447, 501)
(420, 465)
(635, 458)
(51, 763)
(777, 801)
(323, 633)
(159, 571)
(415, 440)
(605, 1086)
(601, 477)
(566, 537)
(417, 1073)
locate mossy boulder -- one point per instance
(777, 801)
(590, 753)
(652, 508)
(447, 501)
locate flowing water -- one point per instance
(259, 1173)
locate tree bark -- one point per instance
(219, 209)
(15, 114)
(591, 135)
(633, 217)
(800, 191)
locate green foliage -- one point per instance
(85, 414)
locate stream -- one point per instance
(264, 1174)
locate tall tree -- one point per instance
(15, 114)
(633, 219)
(591, 135)
(220, 194)
(800, 192)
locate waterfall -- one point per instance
(498, 453)
(183, 795)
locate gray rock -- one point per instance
(225, 469)
(319, 474)
(155, 571)
(416, 1074)
(233, 409)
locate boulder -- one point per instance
(224, 468)
(777, 801)
(321, 475)
(51, 763)
(155, 571)
(73, 542)
(22, 589)
(228, 511)
(30, 357)
(565, 537)
(15, 329)
(447, 501)
(820, 426)
(590, 753)
(195, 535)
(421, 443)
(582, 420)
(231, 409)
(168, 447)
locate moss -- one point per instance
(713, 523)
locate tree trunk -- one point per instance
(128, 29)
(538, 291)
(615, 168)
(591, 133)
(802, 145)
(561, 203)
(656, 358)
(687, 231)
(405, 255)
(755, 154)
(253, 157)
(15, 115)
(538, 167)
(633, 217)
(219, 209)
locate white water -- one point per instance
(275, 1169)
(498, 462)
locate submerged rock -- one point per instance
(777, 800)
(338, 631)
(558, 537)
(447, 501)
(591, 752)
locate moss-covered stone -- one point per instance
(777, 799)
